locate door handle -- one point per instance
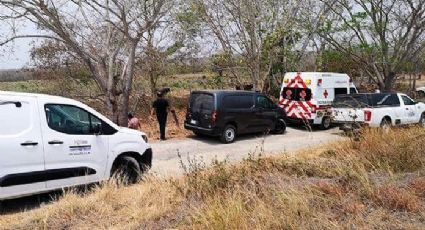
(29, 143)
(407, 108)
(55, 142)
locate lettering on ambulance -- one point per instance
(301, 108)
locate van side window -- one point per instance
(264, 102)
(15, 117)
(72, 120)
(238, 101)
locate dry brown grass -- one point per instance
(377, 183)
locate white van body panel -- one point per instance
(322, 87)
(59, 159)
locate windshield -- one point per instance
(201, 103)
(296, 94)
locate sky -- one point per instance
(16, 54)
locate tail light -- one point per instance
(214, 116)
(367, 115)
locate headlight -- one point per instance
(145, 138)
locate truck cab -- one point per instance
(49, 143)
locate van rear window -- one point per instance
(296, 94)
(202, 103)
(238, 101)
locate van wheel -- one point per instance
(127, 169)
(385, 125)
(422, 120)
(280, 127)
(326, 123)
(228, 135)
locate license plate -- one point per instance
(193, 122)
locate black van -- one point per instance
(226, 114)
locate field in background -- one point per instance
(376, 183)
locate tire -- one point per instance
(228, 135)
(280, 127)
(385, 125)
(422, 120)
(127, 169)
(326, 123)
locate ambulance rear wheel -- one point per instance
(326, 123)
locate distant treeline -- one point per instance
(16, 75)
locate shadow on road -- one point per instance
(216, 141)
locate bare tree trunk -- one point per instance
(389, 82)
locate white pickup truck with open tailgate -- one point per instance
(377, 110)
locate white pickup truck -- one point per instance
(377, 110)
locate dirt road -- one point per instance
(167, 163)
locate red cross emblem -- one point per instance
(288, 94)
(326, 94)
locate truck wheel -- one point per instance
(228, 135)
(127, 169)
(280, 127)
(326, 123)
(422, 120)
(385, 124)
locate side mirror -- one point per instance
(97, 129)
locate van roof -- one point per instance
(36, 95)
(224, 91)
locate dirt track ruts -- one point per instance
(167, 163)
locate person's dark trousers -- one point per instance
(162, 120)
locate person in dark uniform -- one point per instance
(161, 107)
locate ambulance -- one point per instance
(307, 97)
